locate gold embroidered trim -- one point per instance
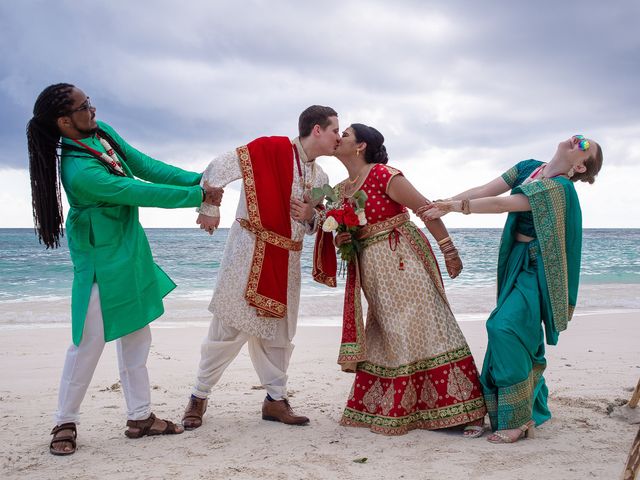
(351, 353)
(392, 173)
(512, 406)
(431, 419)
(266, 307)
(326, 279)
(548, 204)
(510, 176)
(249, 185)
(271, 237)
(383, 227)
(445, 358)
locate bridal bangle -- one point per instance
(447, 248)
(444, 240)
(465, 206)
(420, 210)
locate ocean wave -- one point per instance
(32, 298)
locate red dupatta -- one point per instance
(267, 169)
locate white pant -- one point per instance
(81, 362)
(270, 358)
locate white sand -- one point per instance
(595, 365)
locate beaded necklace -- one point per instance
(110, 157)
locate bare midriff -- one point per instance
(523, 238)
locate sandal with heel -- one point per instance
(526, 431)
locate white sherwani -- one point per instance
(234, 321)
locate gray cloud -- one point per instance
(211, 75)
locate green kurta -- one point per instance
(106, 241)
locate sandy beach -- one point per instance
(594, 367)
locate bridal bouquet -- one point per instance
(343, 216)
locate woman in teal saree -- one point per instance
(538, 272)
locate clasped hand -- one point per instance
(454, 266)
(213, 196)
(342, 238)
(302, 211)
(435, 210)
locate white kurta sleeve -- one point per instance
(222, 170)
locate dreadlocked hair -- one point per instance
(43, 140)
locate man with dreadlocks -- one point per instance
(117, 288)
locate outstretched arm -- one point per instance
(150, 169)
(221, 171)
(494, 188)
(513, 203)
(95, 183)
(403, 192)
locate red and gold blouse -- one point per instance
(379, 206)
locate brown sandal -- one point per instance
(71, 438)
(144, 428)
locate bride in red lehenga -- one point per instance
(413, 367)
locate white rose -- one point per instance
(362, 217)
(329, 225)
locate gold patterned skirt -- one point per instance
(419, 371)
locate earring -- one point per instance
(571, 172)
(357, 152)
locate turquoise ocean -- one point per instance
(31, 275)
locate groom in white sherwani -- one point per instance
(258, 289)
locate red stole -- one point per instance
(267, 170)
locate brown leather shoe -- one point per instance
(280, 411)
(192, 417)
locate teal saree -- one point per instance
(537, 286)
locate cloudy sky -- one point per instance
(461, 90)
